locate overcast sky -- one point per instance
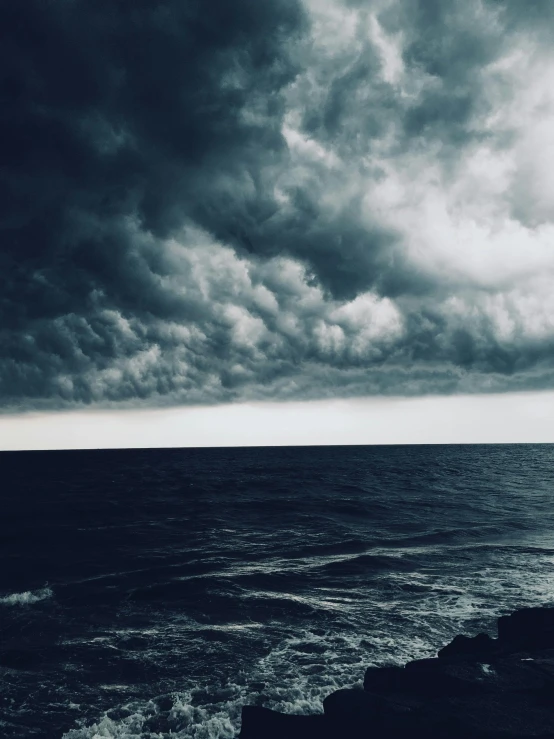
(214, 202)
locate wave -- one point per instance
(293, 677)
(365, 564)
(26, 598)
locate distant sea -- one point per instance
(144, 592)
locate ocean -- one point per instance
(153, 593)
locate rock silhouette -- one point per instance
(476, 688)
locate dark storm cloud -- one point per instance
(111, 107)
(118, 110)
(194, 203)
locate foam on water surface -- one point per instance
(26, 598)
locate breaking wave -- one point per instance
(26, 598)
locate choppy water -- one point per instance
(149, 592)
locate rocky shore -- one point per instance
(477, 687)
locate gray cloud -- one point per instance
(210, 202)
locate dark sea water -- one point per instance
(144, 592)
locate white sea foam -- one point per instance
(294, 677)
(183, 721)
(26, 598)
(128, 728)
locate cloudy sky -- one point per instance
(208, 203)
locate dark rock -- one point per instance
(352, 705)
(440, 679)
(382, 679)
(515, 674)
(263, 723)
(499, 716)
(528, 627)
(543, 661)
(428, 663)
(496, 716)
(357, 712)
(470, 647)
(477, 687)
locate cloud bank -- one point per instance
(204, 202)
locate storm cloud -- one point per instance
(203, 202)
